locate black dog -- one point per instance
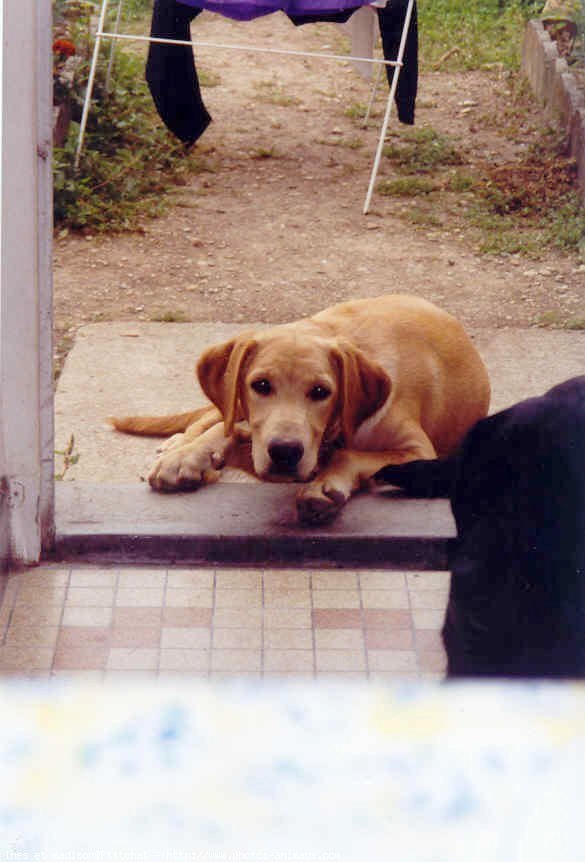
(517, 489)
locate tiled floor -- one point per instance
(222, 622)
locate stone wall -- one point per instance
(557, 91)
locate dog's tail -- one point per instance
(432, 478)
(157, 426)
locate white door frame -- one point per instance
(26, 379)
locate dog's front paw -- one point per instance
(170, 443)
(184, 468)
(320, 502)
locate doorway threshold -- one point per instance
(240, 524)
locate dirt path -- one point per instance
(273, 229)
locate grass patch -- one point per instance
(272, 93)
(422, 150)
(170, 317)
(522, 207)
(265, 153)
(347, 143)
(420, 217)
(530, 205)
(358, 111)
(474, 35)
(407, 187)
(461, 182)
(208, 78)
(556, 320)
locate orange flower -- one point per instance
(65, 47)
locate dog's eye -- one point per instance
(319, 393)
(262, 386)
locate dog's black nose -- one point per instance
(286, 454)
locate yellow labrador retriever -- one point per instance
(326, 401)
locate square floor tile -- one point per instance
(428, 619)
(384, 619)
(83, 636)
(139, 597)
(139, 637)
(337, 618)
(281, 638)
(188, 597)
(385, 599)
(237, 579)
(287, 618)
(183, 637)
(198, 617)
(428, 580)
(142, 578)
(132, 658)
(90, 597)
(432, 660)
(382, 580)
(340, 659)
(184, 659)
(337, 580)
(29, 594)
(287, 598)
(344, 599)
(77, 616)
(237, 617)
(285, 580)
(137, 617)
(31, 636)
(195, 579)
(288, 660)
(93, 578)
(27, 658)
(44, 577)
(92, 657)
(238, 598)
(352, 639)
(233, 638)
(428, 639)
(236, 659)
(395, 639)
(27, 615)
(429, 599)
(397, 660)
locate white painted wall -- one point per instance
(26, 391)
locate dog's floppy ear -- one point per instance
(364, 386)
(219, 371)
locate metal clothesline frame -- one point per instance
(396, 64)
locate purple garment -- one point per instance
(245, 10)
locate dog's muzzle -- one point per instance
(285, 456)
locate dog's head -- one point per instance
(296, 389)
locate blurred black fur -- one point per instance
(517, 489)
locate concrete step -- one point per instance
(246, 524)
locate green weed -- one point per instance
(177, 316)
(461, 182)
(422, 150)
(474, 35)
(128, 161)
(265, 153)
(208, 78)
(406, 187)
(272, 93)
(420, 217)
(556, 320)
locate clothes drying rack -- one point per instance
(114, 35)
